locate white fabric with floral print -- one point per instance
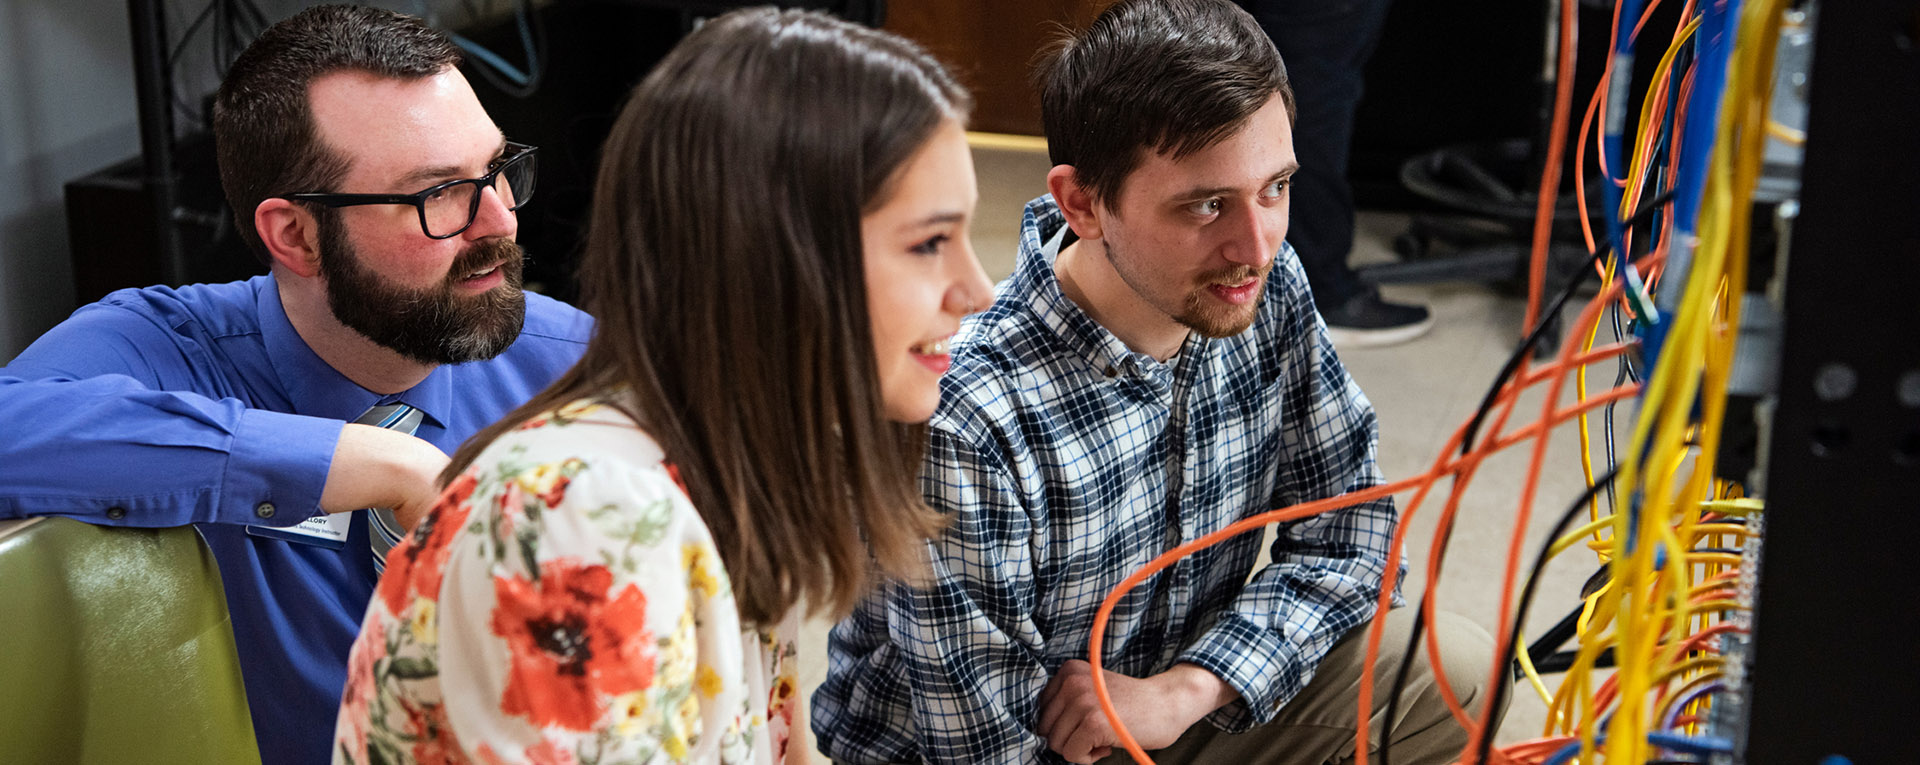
(564, 603)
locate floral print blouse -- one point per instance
(564, 603)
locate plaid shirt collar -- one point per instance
(1043, 233)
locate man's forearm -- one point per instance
(374, 467)
(1157, 709)
(1197, 689)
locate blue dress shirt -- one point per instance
(164, 407)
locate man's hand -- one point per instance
(376, 467)
(1156, 709)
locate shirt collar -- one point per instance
(316, 389)
(1043, 232)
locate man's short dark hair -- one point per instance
(263, 119)
(1170, 76)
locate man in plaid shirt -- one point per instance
(1153, 371)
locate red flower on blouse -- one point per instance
(417, 563)
(432, 733)
(673, 472)
(571, 644)
(553, 496)
(356, 699)
(549, 753)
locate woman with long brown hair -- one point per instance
(777, 255)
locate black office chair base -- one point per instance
(1489, 239)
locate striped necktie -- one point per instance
(383, 531)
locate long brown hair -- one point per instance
(724, 266)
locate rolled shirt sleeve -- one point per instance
(100, 426)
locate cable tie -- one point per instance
(1643, 308)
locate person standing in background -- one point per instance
(1326, 44)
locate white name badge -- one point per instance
(327, 530)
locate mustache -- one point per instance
(1234, 275)
(486, 253)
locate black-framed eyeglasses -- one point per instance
(449, 208)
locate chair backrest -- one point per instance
(116, 647)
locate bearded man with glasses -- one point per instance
(392, 325)
(439, 325)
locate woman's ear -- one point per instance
(291, 235)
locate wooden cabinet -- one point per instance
(991, 45)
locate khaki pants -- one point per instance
(1316, 727)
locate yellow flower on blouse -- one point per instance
(675, 743)
(782, 693)
(577, 409)
(683, 729)
(699, 575)
(541, 479)
(710, 683)
(679, 652)
(630, 713)
(689, 720)
(424, 625)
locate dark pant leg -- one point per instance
(1325, 45)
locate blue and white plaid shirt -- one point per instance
(1067, 462)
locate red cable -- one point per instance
(1443, 466)
(1550, 172)
(1462, 468)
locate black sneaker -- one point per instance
(1366, 321)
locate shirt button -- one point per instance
(264, 509)
(116, 512)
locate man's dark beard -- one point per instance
(1213, 321)
(1195, 312)
(432, 325)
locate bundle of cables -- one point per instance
(1669, 531)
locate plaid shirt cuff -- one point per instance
(1255, 662)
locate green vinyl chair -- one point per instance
(116, 647)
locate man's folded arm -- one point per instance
(1322, 584)
(112, 417)
(1326, 571)
(109, 450)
